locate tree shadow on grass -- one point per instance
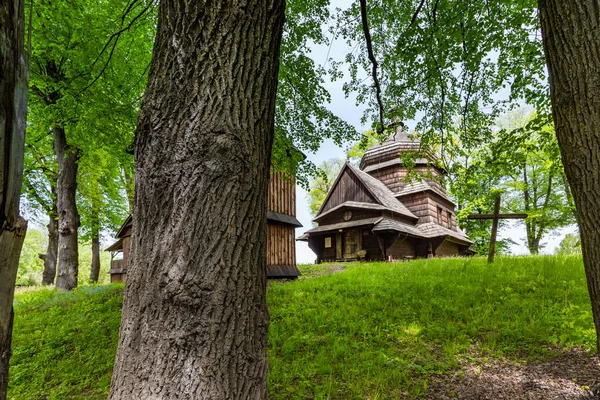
(572, 374)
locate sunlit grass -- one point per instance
(375, 331)
(380, 330)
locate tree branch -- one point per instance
(38, 198)
(365, 25)
(114, 36)
(435, 6)
(414, 17)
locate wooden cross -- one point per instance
(496, 216)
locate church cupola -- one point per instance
(388, 154)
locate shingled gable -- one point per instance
(421, 187)
(370, 191)
(384, 196)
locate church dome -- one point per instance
(388, 153)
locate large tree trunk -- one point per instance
(571, 35)
(13, 111)
(11, 241)
(51, 254)
(68, 217)
(195, 318)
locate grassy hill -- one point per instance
(378, 330)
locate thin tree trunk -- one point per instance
(13, 111)
(571, 36)
(95, 267)
(194, 318)
(529, 224)
(534, 244)
(51, 254)
(129, 188)
(68, 217)
(569, 194)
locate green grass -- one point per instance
(375, 330)
(64, 343)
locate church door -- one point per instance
(351, 243)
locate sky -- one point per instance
(347, 109)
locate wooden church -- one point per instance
(372, 213)
(281, 225)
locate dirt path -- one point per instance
(571, 375)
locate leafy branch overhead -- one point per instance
(368, 41)
(448, 63)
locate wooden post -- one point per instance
(494, 230)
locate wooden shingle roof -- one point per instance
(350, 204)
(422, 187)
(344, 225)
(432, 230)
(387, 224)
(382, 193)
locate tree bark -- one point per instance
(571, 36)
(95, 267)
(51, 254)
(534, 245)
(5, 351)
(68, 217)
(13, 112)
(11, 241)
(194, 318)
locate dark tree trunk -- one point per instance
(533, 240)
(68, 217)
(13, 112)
(51, 254)
(571, 35)
(95, 267)
(195, 319)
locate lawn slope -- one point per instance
(379, 330)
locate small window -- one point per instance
(328, 242)
(439, 216)
(449, 220)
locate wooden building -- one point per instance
(120, 252)
(281, 225)
(372, 212)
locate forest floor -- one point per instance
(436, 329)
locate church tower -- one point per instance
(424, 194)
